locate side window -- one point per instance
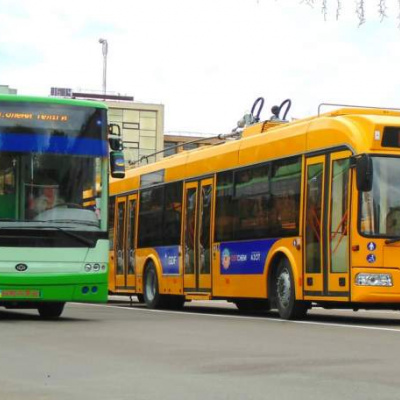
(285, 196)
(111, 214)
(252, 195)
(224, 212)
(151, 217)
(172, 214)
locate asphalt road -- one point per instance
(208, 351)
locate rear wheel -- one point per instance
(288, 306)
(151, 291)
(140, 298)
(175, 302)
(51, 310)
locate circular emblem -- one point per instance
(371, 246)
(371, 258)
(226, 258)
(21, 267)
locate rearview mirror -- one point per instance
(364, 171)
(115, 138)
(117, 164)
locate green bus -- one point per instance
(53, 202)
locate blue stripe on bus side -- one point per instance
(169, 257)
(52, 144)
(244, 258)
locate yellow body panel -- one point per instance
(340, 134)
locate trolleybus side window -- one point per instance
(285, 196)
(151, 217)
(172, 213)
(224, 207)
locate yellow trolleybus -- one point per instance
(282, 215)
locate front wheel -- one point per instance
(288, 306)
(51, 310)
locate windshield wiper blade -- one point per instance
(82, 239)
(73, 221)
(394, 240)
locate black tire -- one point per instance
(252, 305)
(151, 290)
(140, 298)
(51, 310)
(288, 306)
(174, 302)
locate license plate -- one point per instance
(19, 294)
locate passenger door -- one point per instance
(339, 219)
(313, 226)
(130, 244)
(125, 244)
(326, 226)
(196, 236)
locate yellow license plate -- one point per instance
(19, 294)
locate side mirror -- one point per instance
(117, 164)
(115, 138)
(364, 173)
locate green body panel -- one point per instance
(53, 274)
(57, 273)
(57, 292)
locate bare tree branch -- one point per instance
(324, 9)
(360, 11)
(382, 9)
(398, 15)
(310, 3)
(339, 8)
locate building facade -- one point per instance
(142, 129)
(176, 142)
(5, 89)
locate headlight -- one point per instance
(96, 267)
(364, 279)
(88, 267)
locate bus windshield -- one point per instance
(380, 208)
(51, 161)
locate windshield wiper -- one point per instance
(75, 221)
(394, 240)
(82, 239)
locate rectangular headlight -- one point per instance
(364, 279)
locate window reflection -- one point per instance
(380, 208)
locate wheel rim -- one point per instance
(284, 288)
(150, 285)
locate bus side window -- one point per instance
(172, 213)
(224, 214)
(285, 191)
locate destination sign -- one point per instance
(34, 116)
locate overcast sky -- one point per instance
(205, 60)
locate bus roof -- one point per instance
(348, 128)
(52, 100)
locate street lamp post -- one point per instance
(104, 46)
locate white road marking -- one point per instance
(375, 328)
